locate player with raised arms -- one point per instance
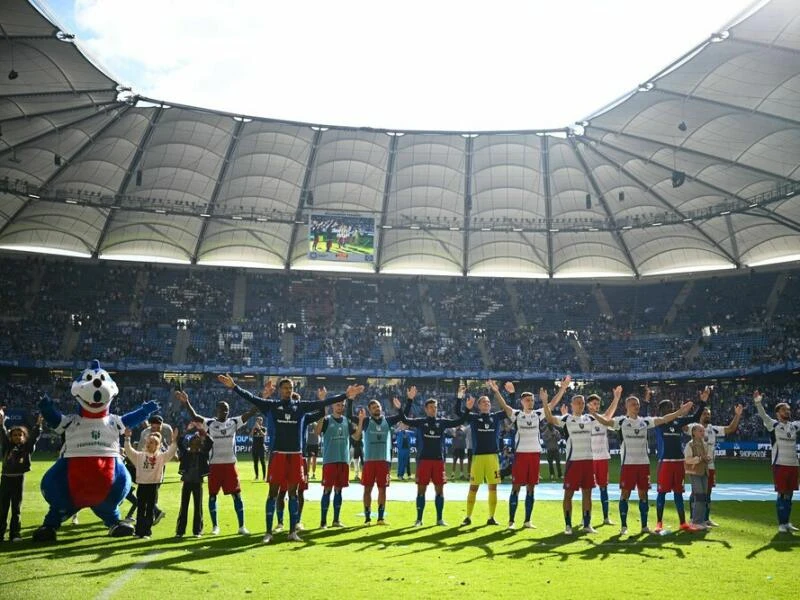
(285, 420)
(579, 470)
(222, 473)
(430, 432)
(783, 436)
(377, 436)
(335, 430)
(527, 446)
(485, 467)
(634, 459)
(601, 454)
(671, 461)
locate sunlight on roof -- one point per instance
(775, 260)
(689, 269)
(46, 250)
(145, 258)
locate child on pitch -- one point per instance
(698, 455)
(194, 453)
(16, 444)
(149, 475)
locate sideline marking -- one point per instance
(120, 581)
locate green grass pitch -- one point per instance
(745, 557)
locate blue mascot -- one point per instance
(89, 473)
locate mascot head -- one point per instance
(94, 390)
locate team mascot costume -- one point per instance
(90, 472)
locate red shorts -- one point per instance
(600, 467)
(785, 478)
(430, 470)
(671, 474)
(525, 470)
(712, 478)
(286, 470)
(634, 476)
(223, 476)
(335, 475)
(375, 472)
(578, 475)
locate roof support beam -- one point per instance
(63, 92)
(667, 168)
(387, 186)
(772, 216)
(36, 138)
(223, 170)
(763, 45)
(548, 201)
(84, 147)
(468, 143)
(742, 109)
(733, 258)
(46, 113)
(11, 218)
(732, 235)
(301, 201)
(596, 189)
(718, 159)
(132, 166)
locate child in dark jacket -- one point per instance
(16, 446)
(194, 452)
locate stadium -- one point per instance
(652, 245)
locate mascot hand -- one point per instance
(49, 411)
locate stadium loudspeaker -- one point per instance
(139, 177)
(588, 201)
(678, 177)
(621, 196)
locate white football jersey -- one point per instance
(90, 437)
(223, 434)
(526, 430)
(579, 435)
(600, 449)
(634, 449)
(784, 441)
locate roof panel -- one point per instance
(245, 243)
(151, 236)
(588, 254)
(727, 117)
(55, 227)
(501, 254)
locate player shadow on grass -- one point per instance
(132, 551)
(644, 545)
(447, 539)
(780, 542)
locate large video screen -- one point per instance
(342, 238)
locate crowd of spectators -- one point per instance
(76, 310)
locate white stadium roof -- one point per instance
(90, 169)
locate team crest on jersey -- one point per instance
(287, 416)
(486, 426)
(636, 431)
(580, 425)
(95, 434)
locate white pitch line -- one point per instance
(120, 581)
